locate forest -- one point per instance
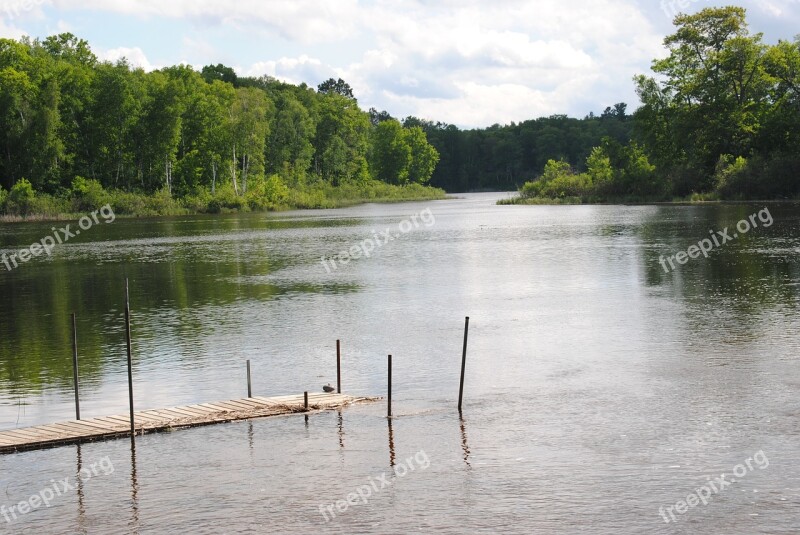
(719, 118)
(77, 133)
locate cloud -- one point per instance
(135, 56)
(306, 21)
(476, 64)
(468, 62)
(293, 70)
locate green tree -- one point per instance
(391, 153)
(714, 91)
(338, 87)
(424, 156)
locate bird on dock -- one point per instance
(328, 388)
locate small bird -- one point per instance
(328, 388)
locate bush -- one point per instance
(226, 200)
(557, 182)
(197, 201)
(20, 198)
(758, 178)
(88, 195)
(3, 198)
(162, 203)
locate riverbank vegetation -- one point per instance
(720, 121)
(77, 132)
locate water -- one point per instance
(599, 388)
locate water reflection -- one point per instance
(341, 429)
(391, 444)
(134, 524)
(81, 497)
(464, 445)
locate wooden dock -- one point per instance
(151, 421)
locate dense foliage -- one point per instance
(721, 119)
(500, 158)
(72, 128)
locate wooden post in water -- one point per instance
(75, 368)
(463, 365)
(130, 355)
(249, 383)
(338, 366)
(389, 414)
(305, 400)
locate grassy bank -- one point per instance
(22, 203)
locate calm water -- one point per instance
(599, 388)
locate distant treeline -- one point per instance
(504, 157)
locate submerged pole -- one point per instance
(249, 383)
(130, 353)
(75, 368)
(338, 366)
(463, 365)
(389, 414)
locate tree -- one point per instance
(714, 89)
(290, 149)
(221, 73)
(249, 130)
(391, 153)
(424, 156)
(339, 87)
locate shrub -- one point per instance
(557, 182)
(162, 203)
(3, 198)
(197, 201)
(88, 194)
(225, 200)
(20, 198)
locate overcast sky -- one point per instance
(466, 62)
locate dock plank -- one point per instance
(154, 420)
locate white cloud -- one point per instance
(468, 62)
(293, 70)
(477, 64)
(307, 21)
(135, 56)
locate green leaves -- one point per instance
(402, 155)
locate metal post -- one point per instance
(249, 383)
(130, 353)
(338, 366)
(75, 368)
(390, 388)
(463, 365)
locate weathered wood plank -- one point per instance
(118, 425)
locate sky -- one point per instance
(472, 63)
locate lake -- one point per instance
(605, 391)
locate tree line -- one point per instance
(719, 118)
(69, 122)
